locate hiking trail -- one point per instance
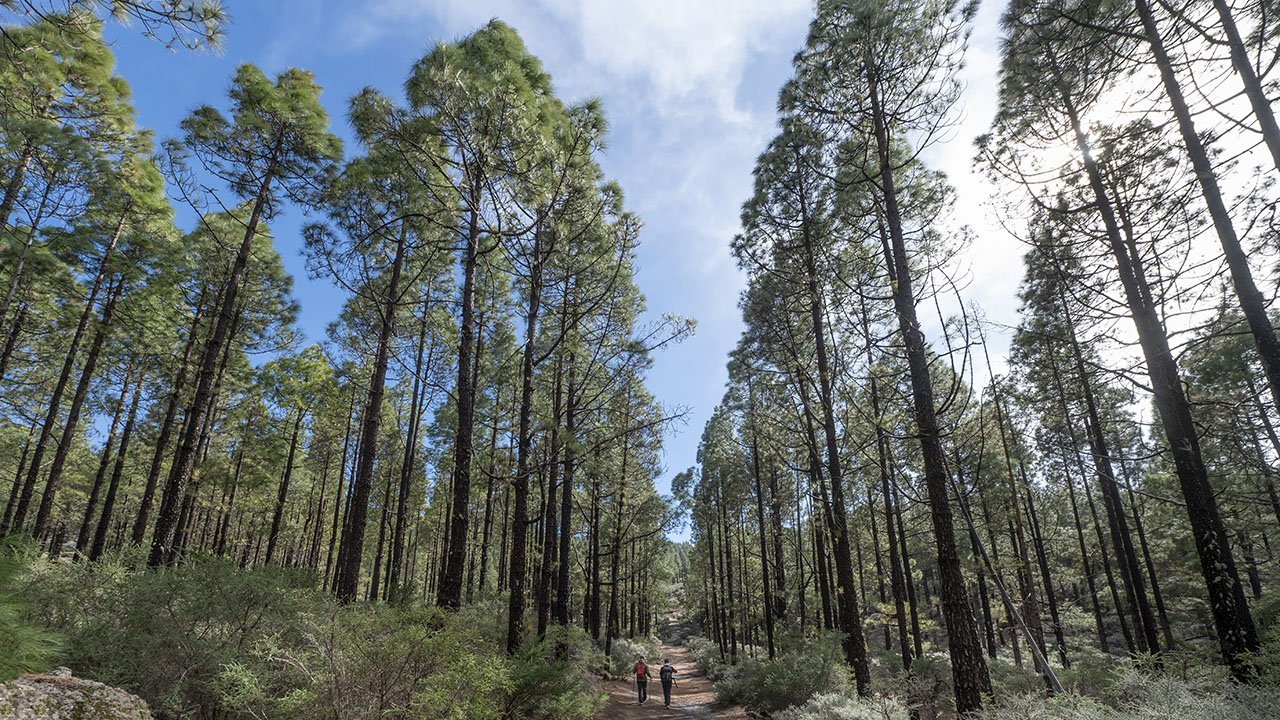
(693, 697)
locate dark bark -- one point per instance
(450, 594)
(55, 400)
(72, 421)
(184, 461)
(968, 667)
(764, 552)
(520, 488)
(855, 650)
(410, 455)
(166, 430)
(347, 583)
(91, 507)
(1237, 635)
(113, 486)
(283, 493)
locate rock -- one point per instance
(57, 695)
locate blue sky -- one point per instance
(689, 87)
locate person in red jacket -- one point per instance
(642, 681)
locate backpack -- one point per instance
(642, 671)
(667, 673)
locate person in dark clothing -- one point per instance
(642, 680)
(668, 677)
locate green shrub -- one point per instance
(25, 646)
(834, 706)
(359, 662)
(625, 652)
(545, 686)
(167, 635)
(792, 678)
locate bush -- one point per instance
(369, 662)
(544, 686)
(622, 661)
(166, 636)
(833, 706)
(24, 646)
(791, 679)
(210, 640)
(1139, 695)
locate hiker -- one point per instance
(667, 675)
(642, 681)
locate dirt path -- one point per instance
(693, 696)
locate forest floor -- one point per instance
(693, 697)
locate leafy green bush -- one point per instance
(834, 706)
(166, 636)
(359, 662)
(790, 679)
(622, 661)
(25, 646)
(210, 640)
(545, 686)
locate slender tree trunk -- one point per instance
(55, 400)
(764, 552)
(968, 667)
(337, 495)
(1237, 635)
(410, 454)
(283, 494)
(560, 610)
(73, 412)
(82, 537)
(375, 578)
(855, 650)
(1251, 301)
(11, 340)
(1043, 561)
(1075, 511)
(1146, 554)
(14, 187)
(450, 594)
(1026, 584)
(347, 584)
(1120, 536)
(520, 489)
(184, 461)
(113, 486)
(166, 430)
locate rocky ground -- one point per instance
(57, 695)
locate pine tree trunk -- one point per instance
(1075, 511)
(72, 421)
(764, 552)
(450, 594)
(166, 430)
(11, 340)
(347, 583)
(560, 610)
(82, 537)
(410, 455)
(184, 461)
(113, 486)
(55, 400)
(283, 493)
(14, 187)
(1237, 635)
(855, 651)
(968, 667)
(520, 488)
